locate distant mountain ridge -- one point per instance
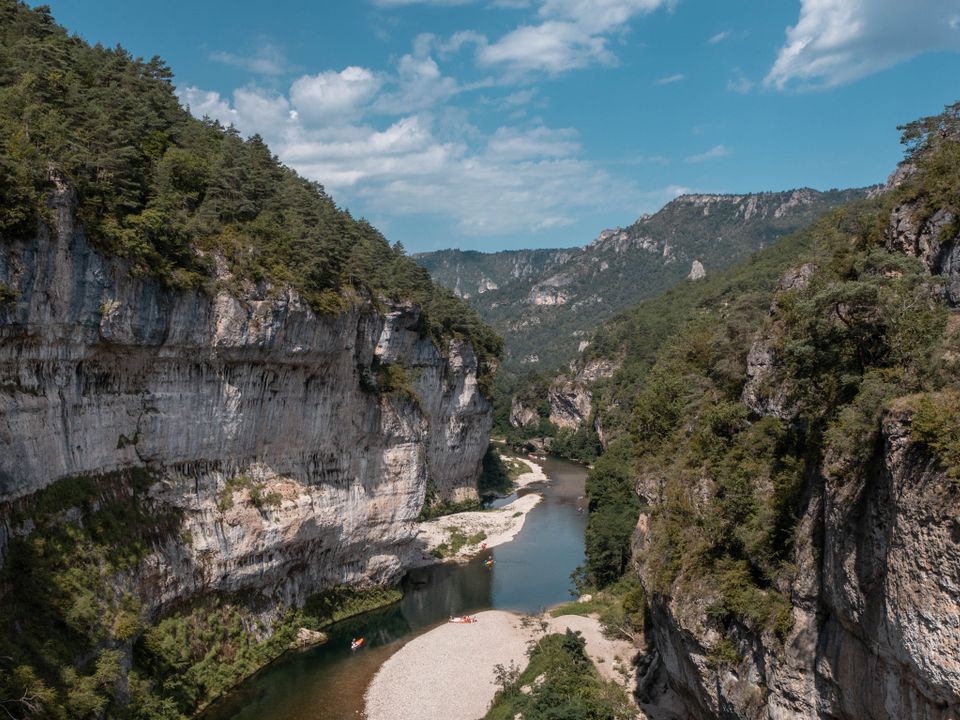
(469, 273)
(546, 303)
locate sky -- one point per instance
(501, 124)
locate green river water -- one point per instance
(530, 573)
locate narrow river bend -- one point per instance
(530, 573)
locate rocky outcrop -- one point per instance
(935, 240)
(570, 404)
(265, 424)
(521, 415)
(550, 292)
(697, 271)
(765, 392)
(876, 630)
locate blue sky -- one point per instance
(493, 124)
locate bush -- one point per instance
(563, 685)
(936, 423)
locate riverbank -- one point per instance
(460, 536)
(460, 662)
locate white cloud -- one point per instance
(598, 16)
(267, 60)
(421, 85)
(839, 41)
(552, 47)
(719, 37)
(334, 94)
(571, 34)
(670, 79)
(717, 151)
(739, 83)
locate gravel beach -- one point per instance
(449, 672)
(500, 526)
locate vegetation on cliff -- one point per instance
(621, 268)
(723, 474)
(190, 205)
(77, 641)
(170, 193)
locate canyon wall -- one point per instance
(874, 580)
(268, 429)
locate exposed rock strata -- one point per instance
(232, 400)
(934, 240)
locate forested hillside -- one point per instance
(174, 195)
(822, 373)
(547, 315)
(469, 273)
(213, 384)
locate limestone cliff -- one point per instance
(873, 580)
(875, 617)
(267, 428)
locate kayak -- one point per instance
(356, 643)
(463, 620)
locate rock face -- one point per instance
(697, 271)
(230, 400)
(570, 404)
(549, 292)
(934, 240)
(764, 392)
(521, 415)
(876, 608)
(875, 588)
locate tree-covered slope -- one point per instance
(174, 195)
(546, 316)
(769, 429)
(469, 273)
(212, 417)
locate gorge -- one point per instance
(229, 409)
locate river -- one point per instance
(532, 572)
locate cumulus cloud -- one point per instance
(717, 151)
(515, 179)
(839, 41)
(420, 85)
(334, 94)
(569, 34)
(719, 37)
